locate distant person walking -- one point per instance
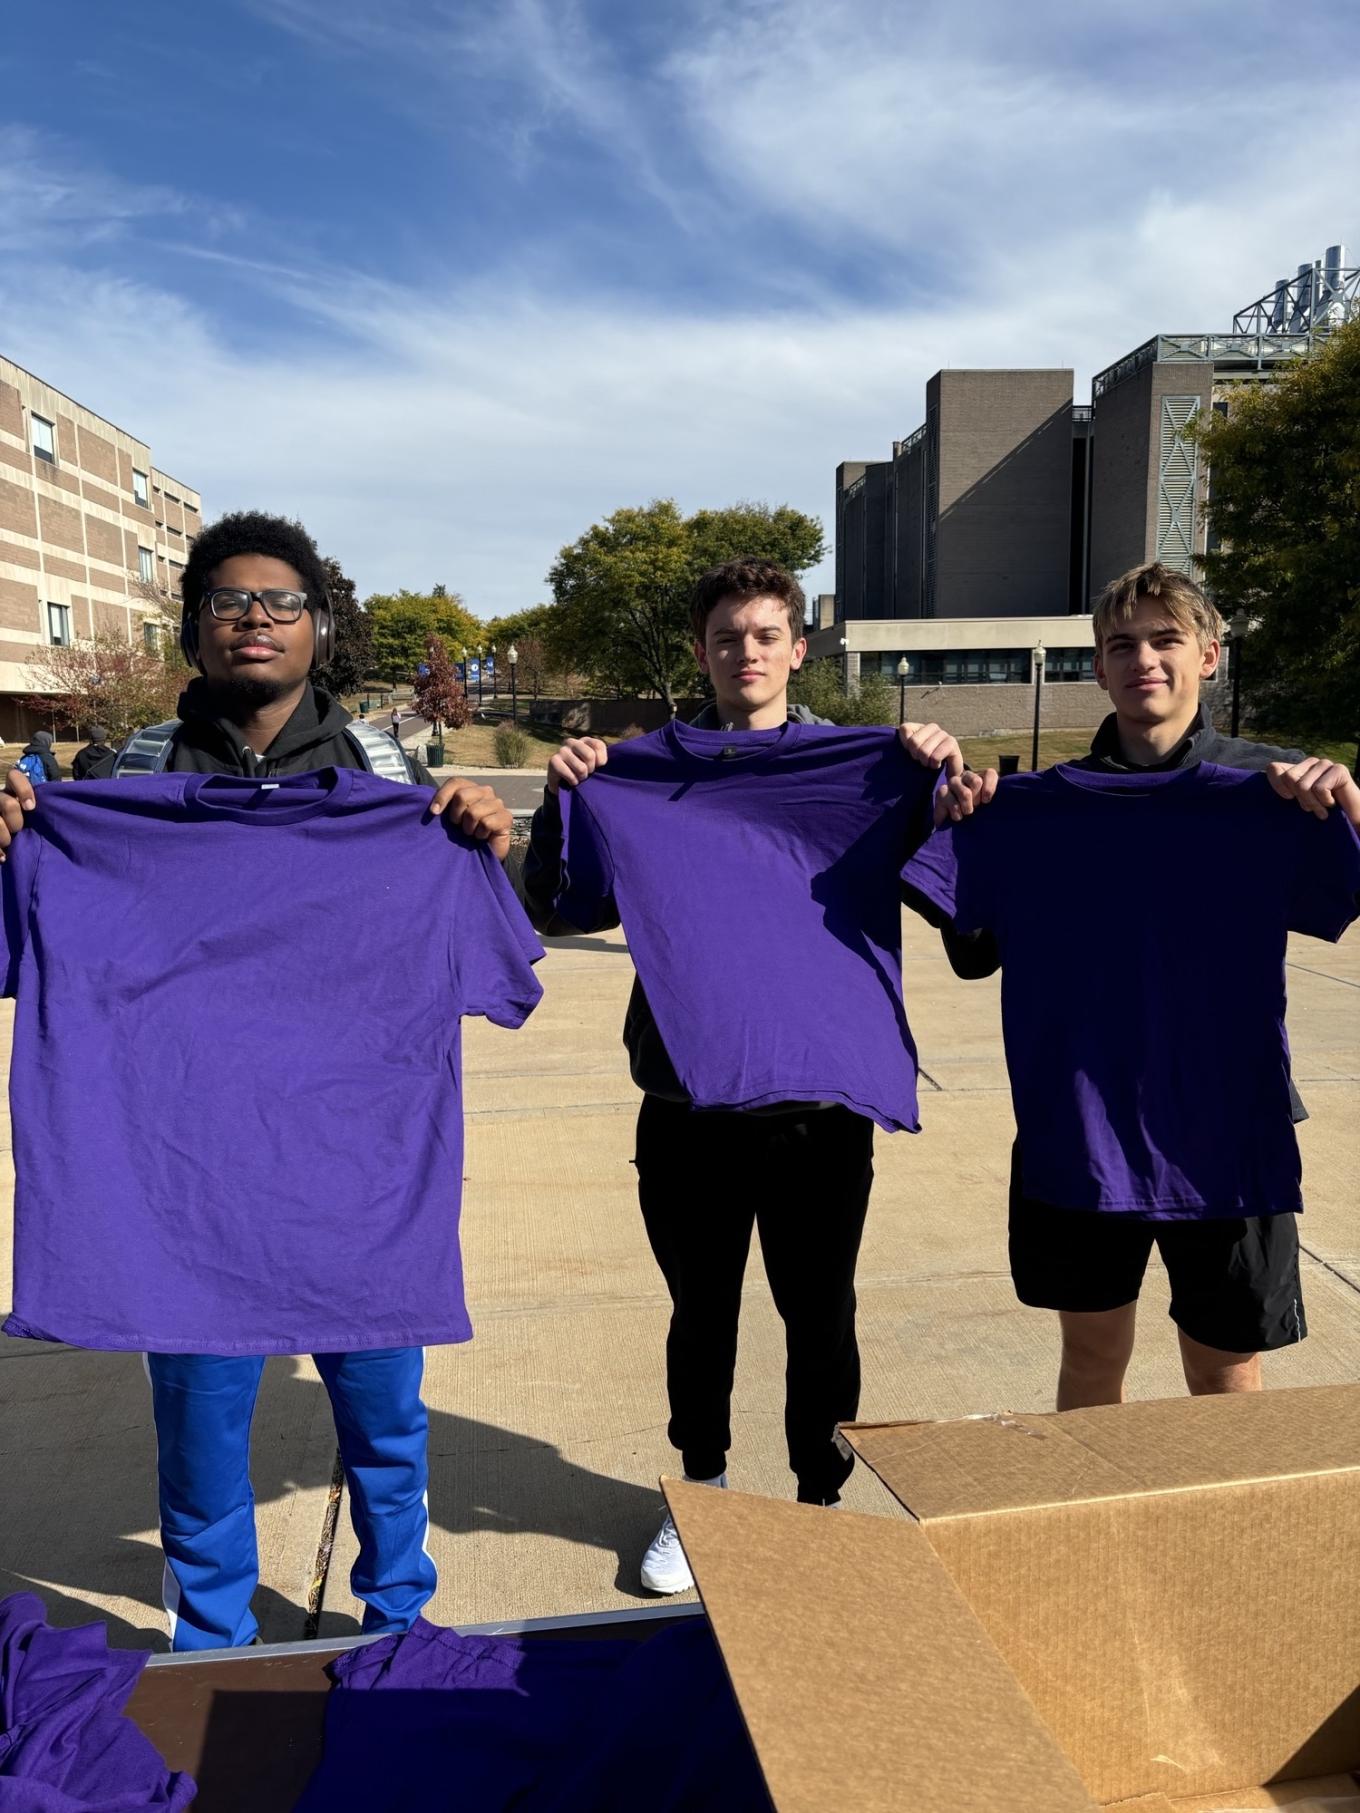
(38, 761)
(396, 722)
(97, 750)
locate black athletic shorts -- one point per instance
(1234, 1280)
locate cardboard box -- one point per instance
(1151, 1607)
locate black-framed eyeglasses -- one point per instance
(228, 603)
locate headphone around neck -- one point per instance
(323, 632)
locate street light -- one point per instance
(1237, 632)
(495, 678)
(512, 656)
(903, 669)
(479, 673)
(845, 667)
(1038, 699)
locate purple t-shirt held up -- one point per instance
(1142, 922)
(235, 1082)
(756, 875)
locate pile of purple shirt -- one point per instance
(65, 1744)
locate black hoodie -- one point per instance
(207, 743)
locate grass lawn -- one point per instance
(475, 747)
(1054, 746)
(1068, 745)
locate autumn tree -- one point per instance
(107, 680)
(439, 694)
(1284, 509)
(623, 589)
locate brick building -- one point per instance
(92, 535)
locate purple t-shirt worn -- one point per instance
(235, 1081)
(756, 875)
(1142, 922)
(65, 1744)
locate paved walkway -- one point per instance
(548, 1431)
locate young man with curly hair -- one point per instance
(257, 624)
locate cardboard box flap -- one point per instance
(863, 1677)
(980, 1465)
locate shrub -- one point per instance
(512, 747)
(820, 686)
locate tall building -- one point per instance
(93, 536)
(971, 558)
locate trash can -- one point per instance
(1008, 764)
(434, 755)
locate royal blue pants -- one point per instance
(203, 1404)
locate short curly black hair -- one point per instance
(250, 532)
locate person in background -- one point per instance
(396, 722)
(38, 762)
(97, 750)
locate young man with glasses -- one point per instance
(256, 624)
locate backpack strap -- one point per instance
(146, 751)
(379, 752)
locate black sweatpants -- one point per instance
(803, 1178)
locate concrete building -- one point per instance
(93, 536)
(994, 527)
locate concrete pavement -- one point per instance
(548, 1430)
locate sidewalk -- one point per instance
(547, 1432)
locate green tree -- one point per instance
(820, 685)
(623, 589)
(351, 660)
(401, 624)
(1285, 508)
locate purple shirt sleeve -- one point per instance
(1326, 894)
(17, 880)
(950, 870)
(492, 947)
(587, 865)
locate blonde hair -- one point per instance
(1181, 598)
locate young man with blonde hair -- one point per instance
(1232, 1257)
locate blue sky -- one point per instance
(451, 281)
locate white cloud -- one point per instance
(465, 432)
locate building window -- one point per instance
(59, 625)
(1069, 664)
(140, 494)
(151, 637)
(44, 439)
(968, 667)
(146, 566)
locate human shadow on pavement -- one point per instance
(79, 1518)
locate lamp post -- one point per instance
(1038, 700)
(512, 656)
(479, 673)
(903, 669)
(1237, 635)
(495, 678)
(845, 666)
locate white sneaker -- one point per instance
(664, 1568)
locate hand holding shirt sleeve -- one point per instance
(1325, 898)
